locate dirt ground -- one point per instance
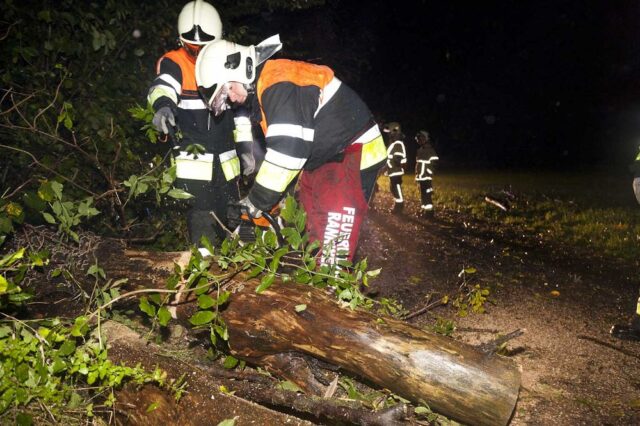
(564, 298)
(573, 371)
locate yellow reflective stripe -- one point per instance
(373, 152)
(188, 167)
(160, 91)
(274, 177)
(231, 168)
(242, 132)
(638, 157)
(230, 164)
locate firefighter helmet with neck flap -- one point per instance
(199, 23)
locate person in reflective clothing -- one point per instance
(426, 159)
(312, 123)
(631, 331)
(396, 159)
(210, 176)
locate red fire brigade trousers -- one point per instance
(334, 198)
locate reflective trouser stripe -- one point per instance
(189, 167)
(230, 164)
(274, 177)
(638, 307)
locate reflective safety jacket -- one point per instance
(175, 86)
(396, 157)
(426, 157)
(308, 117)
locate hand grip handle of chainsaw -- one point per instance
(172, 137)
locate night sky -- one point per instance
(499, 84)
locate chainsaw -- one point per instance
(244, 223)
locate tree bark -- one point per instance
(453, 378)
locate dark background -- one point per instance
(549, 84)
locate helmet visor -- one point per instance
(215, 102)
(197, 36)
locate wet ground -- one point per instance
(565, 298)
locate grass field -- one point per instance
(595, 209)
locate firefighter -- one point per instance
(396, 158)
(312, 122)
(426, 159)
(631, 331)
(210, 176)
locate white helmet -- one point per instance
(199, 23)
(223, 61)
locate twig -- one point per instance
(222, 225)
(424, 309)
(609, 345)
(501, 205)
(35, 160)
(492, 345)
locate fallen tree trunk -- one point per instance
(455, 379)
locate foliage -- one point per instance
(53, 368)
(13, 268)
(471, 297)
(444, 326)
(66, 214)
(51, 364)
(293, 261)
(375, 400)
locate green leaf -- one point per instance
(179, 194)
(11, 258)
(421, 410)
(224, 296)
(20, 297)
(4, 331)
(230, 362)
(289, 386)
(300, 308)
(152, 407)
(4, 285)
(266, 282)
(96, 271)
(202, 317)
(227, 422)
(146, 307)
(164, 316)
(57, 188)
(67, 348)
(80, 326)
(205, 301)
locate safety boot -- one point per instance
(427, 212)
(629, 331)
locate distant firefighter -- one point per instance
(631, 331)
(396, 158)
(426, 159)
